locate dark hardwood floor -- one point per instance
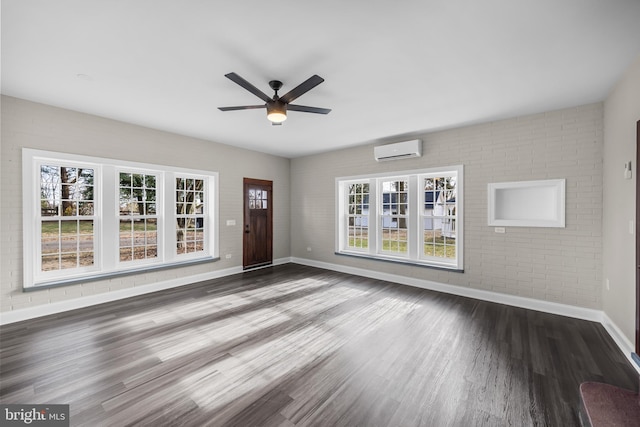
(294, 345)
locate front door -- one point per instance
(257, 245)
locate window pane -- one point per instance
(49, 207)
(86, 235)
(69, 260)
(357, 220)
(50, 245)
(139, 253)
(152, 251)
(86, 259)
(85, 208)
(63, 239)
(138, 216)
(152, 231)
(69, 208)
(190, 208)
(50, 262)
(440, 217)
(126, 239)
(150, 181)
(125, 179)
(69, 244)
(393, 222)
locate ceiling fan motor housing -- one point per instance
(276, 85)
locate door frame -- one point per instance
(637, 240)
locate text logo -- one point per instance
(34, 415)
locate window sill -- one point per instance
(111, 275)
(400, 261)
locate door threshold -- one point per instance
(258, 266)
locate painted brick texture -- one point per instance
(37, 126)
(559, 265)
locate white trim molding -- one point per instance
(516, 301)
(96, 200)
(620, 339)
(88, 301)
(567, 310)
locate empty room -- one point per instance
(363, 213)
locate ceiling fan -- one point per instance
(277, 106)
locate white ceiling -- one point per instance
(391, 68)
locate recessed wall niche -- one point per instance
(527, 203)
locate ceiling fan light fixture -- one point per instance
(277, 106)
(276, 112)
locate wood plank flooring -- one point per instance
(299, 346)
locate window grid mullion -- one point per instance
(73, 203)
(404, 222)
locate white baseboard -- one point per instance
(620, 339)
(82, 302)
(513, 300)
(529, 303)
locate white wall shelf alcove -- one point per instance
(527, 203)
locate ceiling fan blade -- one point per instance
(248, 86)
(242, 107)
(305, 109)
(302, 88)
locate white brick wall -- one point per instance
(560, 265)
(31, 125)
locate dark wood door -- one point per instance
(257, 246)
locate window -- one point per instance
(439, 216)
(411, 217)
(358, 216)
(190, 203)
(394, 215)
(138, 216)
(66, 220)
(88, 218)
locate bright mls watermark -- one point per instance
(34, 415)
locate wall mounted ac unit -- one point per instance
(398, 150)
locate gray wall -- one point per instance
(562, 265)
(552, 264)
(31, 125)
(621, 112)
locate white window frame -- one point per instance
(346, 216)
(106, 218)
(206, 208)
(381, 216)
(34, 227)
(160, 215)
(415, 218)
